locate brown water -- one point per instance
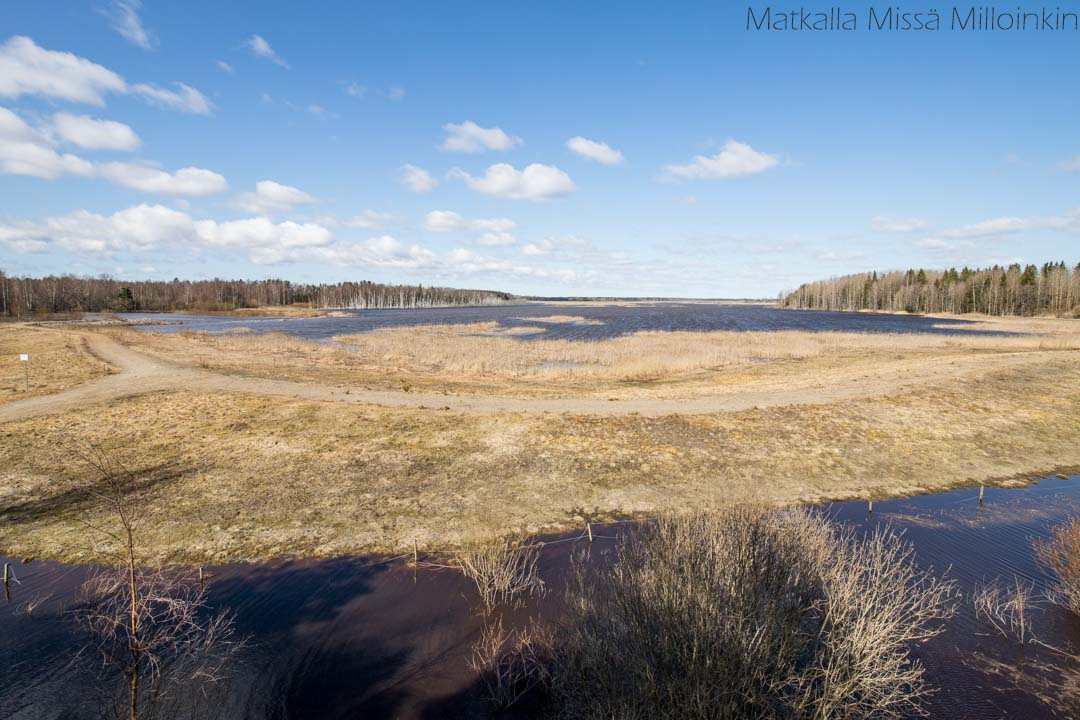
(362, 637)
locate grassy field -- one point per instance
(233, 475)
(483, 358)
(58, 360)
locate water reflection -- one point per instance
(359, 637)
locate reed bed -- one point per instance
(488, 357)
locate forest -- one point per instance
(1053, 289)
(22, 297)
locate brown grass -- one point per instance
(58, 360)
(480, 358)
(1060, 556)
(238, 475)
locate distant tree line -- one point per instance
(1012, 290)
(25, 296)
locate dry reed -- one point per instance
(1060, 555)
(749, 613)
(502, 572)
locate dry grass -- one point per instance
(502, 572)
(58, 360)
(1007, 607)
(1060, 555)
(749, 613)
(238, 475)
(480, 358)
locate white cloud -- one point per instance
(496, 239)
(27, 69)
(449, 221)
(94, 134)
(417, 179)
(395, 94)
(536, 182)
(185, 99)
(735, 159)
(550, 245)
(369, 220)
(468, 137)
(1071, 165)
(185, 181)
(882, 223)
(225, 67)
(354, 89)
(260, 48)
(990, 228)
(125, 20)
(24, 150)
(270, 197)
(601, 152)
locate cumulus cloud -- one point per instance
(468, 137)
(124, 15)
(417, 179)
(450, 221)
(270, 197)
(883, 223)
(536, 182)
(600, 152)
(93, 134)
(25, 150)
(27, 69)
(735, 159)
(260, 48)
(191, 181)
(369, 220)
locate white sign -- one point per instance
(24, 358)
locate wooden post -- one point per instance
(982, 489)
(7, 568)
(588, 526)
(870, 508)
(201, 583)
(26, 370)
(415, 554)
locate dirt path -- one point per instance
(138, 374)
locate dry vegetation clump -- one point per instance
(1006, 607)
(1060, 555)
(510, 663)
(749, 613)
(502, 572)
(58, 360)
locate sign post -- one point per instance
(26, 370)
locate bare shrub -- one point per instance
(749, 613)
(149, 627)
(502, 572)
(1006, 607)
(1060, 555)
(510, 663)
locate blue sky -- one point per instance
(543, 148)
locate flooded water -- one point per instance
(366, 637)
(607, 320)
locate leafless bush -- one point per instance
(502, 572)
(510, 663)
(1060, 555)
(1006, 607)
(150, 627)
(749, 613)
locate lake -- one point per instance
(370, 637)
(610, 320)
